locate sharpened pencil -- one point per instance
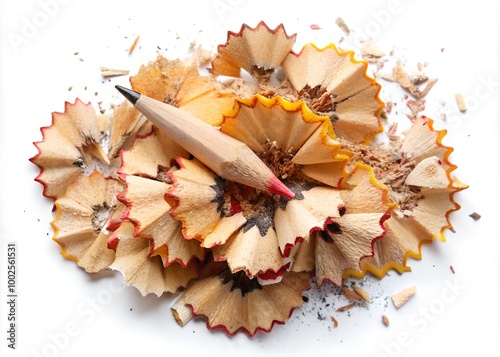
(229, 158)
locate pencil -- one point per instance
(229, 158)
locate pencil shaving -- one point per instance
(316, 194)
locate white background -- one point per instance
(458, 39)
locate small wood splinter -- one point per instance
(460, 102)
(401, 297)
(111, 72)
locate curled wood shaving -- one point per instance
(335, 322)
(401, 297)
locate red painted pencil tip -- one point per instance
(278, 188)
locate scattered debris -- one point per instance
(70, 88)
(401, 297)
(335, 322)
(460, 102)
(315, 27)
(475, 216)
(452, 269)
(385, 320)
(111, 72)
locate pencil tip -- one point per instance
(130, 94)
(277, 187)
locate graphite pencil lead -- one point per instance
(131, 95)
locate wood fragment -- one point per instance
(132, 47)
(315, 27)
(370, 50)
(401, 297)
(475, 216)
(385, 320)
(346, 307)
(362, 293)
(460, 102)
(111, 72)
(406, 83)
(343, 26)
(335, 322)
(428, 87)
(452, 269)
(351, 295)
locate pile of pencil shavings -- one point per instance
(129, 198)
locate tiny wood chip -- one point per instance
(343, 26)
(362, 293)
(460, 102)
(351, 295)
(401, 297)
(385, 320)
(475, 216)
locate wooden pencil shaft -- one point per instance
(227, 157)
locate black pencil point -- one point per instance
(130, 94)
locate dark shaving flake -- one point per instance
(240, 281)
(475, 216)
(219, 188)
(262, 221)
